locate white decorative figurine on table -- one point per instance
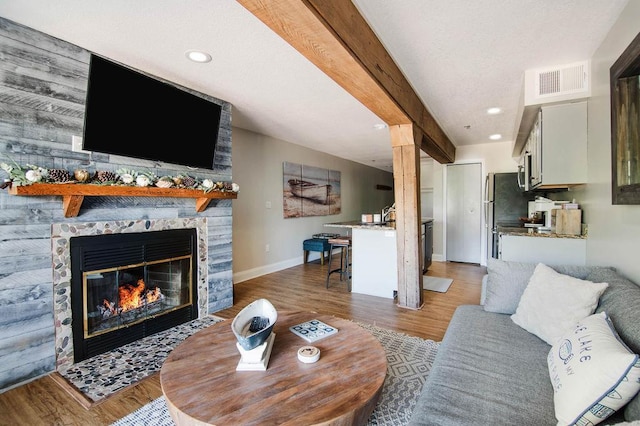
(253, 327)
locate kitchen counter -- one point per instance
(374, 261)
(532, 232)
(550, 249)
(374, 258)
(385, 226)
(374, 269)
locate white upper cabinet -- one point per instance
(558, 146)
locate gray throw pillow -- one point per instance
(621, 302)
(507, 280)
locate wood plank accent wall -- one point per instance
(43, 84)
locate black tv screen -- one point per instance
(131, 114)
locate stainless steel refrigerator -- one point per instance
(504, 204)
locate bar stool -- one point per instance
(344, 244)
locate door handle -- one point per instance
(520, 170)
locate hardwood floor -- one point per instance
(44, 402)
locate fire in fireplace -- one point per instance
(131, 298)
(127, 286)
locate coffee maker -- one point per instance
(543, 207)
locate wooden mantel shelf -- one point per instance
(73, 193)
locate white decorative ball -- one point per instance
(33, 176)
(126, 178)
(143, 180)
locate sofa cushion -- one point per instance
(487, 371)
(553, 302)
(507, 280)
(621, 302)
(592, 372)
(505, 283)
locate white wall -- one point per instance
(614, 231)
(495, 156)
(257, 168)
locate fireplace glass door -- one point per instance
(119, 297)
(128, 286)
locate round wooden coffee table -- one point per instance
(202, 387)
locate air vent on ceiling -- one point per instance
(558, 83)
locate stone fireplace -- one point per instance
(36, 326)
(99, 266)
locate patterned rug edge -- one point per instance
(383, 330)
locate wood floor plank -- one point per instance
(44, 402)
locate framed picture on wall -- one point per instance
(310, 191)
(625, 126)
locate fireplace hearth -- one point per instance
(128, 286)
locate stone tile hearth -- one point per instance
(102, 375)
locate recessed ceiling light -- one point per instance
(494, 110)
(495, 137)
(380, 126)
(198, 56)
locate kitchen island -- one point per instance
(374, 260)
(374, 257)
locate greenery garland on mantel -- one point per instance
(30, 174)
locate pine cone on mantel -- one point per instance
(105, 176)
(59, 175)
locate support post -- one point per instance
(405, 141)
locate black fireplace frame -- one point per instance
(89, 253)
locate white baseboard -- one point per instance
(238, 277)
(241, 276)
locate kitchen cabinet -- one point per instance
(557, 145)
(550, 250)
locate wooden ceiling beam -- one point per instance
(335, 37)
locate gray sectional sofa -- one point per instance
(491, 371)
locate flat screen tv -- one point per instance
(131, 114)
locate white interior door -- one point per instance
(464, 212)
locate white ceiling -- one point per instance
(460, 56)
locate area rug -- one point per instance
(409, 360)
(441, 285)
(102, 375)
